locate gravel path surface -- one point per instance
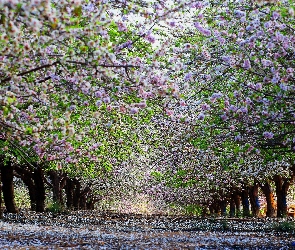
(98, 231)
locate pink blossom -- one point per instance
(201, 116)
(246, 64)
(182, 103)
(169, 112)
(268, 135)
(134, 111)
(258, 86)
(106, 99)
(98, 94)
(205, 107)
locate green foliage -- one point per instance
(157, 175)
(193, 209)
(21, 197)
(55, 207)
(284, 226)
(225, 225)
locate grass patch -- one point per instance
(55, 207)
(284, 226)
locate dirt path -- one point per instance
(43, 231)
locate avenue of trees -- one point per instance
(187, 102)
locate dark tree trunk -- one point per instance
(90, 205)
(223, 204)
(91, 202)
(55, 186)
(216, 207)
(254, 200)
(27, 179)
(245, 202)
(58, 182)
(83, 197)
(232, 210)
(237, 204)
(270, 199)
(282, 186)
(8, 189)
(38, 177)
(211, 209)
(76, 198)
(204, 210)
(69, 188)
(82, 204)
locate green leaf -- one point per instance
(78, 11)
(29, 130)
(10, 100)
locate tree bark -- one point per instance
(83, 204)
(69, 188)
(58, 182)
(204, 210)
(27, 179)
(83, 197)
(216, 207)
(8, 189)
(232, 211)
(245, 202)
(254, 200)
(211, 209)
(76, 199)
(270, 199)
(282, 186)
(92, 200)
(223, 204)
(237, 204)
(38, 177)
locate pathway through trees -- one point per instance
(89, 230)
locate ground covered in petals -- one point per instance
(93, 230)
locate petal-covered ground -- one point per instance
(84, 230)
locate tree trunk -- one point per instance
(83, 197)
(223, 204)
(8, 189)
(38, 177)
(245, 202)
(216, 207)
(282, 186)
(232, 211)
(27, 179)
(211, 209)
(254, 200)
(57, 185)
(83, 204)
(237, 204)
(90, 205)
(91, 202)
(76, 199)
(69, 188)
(204, 210)
(270, 199)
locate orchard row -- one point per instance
(189, 101)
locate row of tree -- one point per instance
(70, 193)
(201, 93)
